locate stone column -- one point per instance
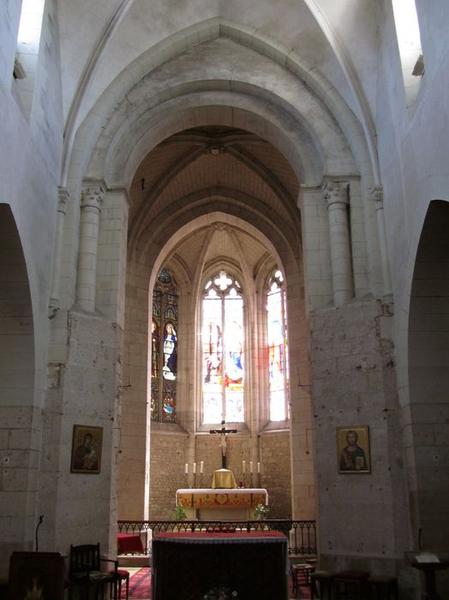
(316, 247)
(111, 255)
(63, 198)
(378, 197)
(336, 196)
(91, 201)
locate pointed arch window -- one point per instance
(410, 47)
(164, 348)
(278, 379)
(28, 42)
(223, 371)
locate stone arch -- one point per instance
(17, 382)
(81, 135)
(125, 85)
(156, 245)
(428, 370)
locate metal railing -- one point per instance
(301, 535)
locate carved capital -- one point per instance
(335, 192)
(92, 195)
(377, 195)
(63, 199)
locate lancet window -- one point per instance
(223, 365)
(164, 348)
(277, 348)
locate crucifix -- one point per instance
(223, 441)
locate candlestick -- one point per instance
(186, 469)
(194, 468)
(258, 467)
(251, 466)
(244, 466)
(202, 467)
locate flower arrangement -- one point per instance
(261, 511)
(179, 513)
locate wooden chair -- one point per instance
(85, 572)
(350, 585)
(300, 575)
(383, 588)
(122, 575)
(323, 580)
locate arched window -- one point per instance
(222, 348)
(409, 43)
(277, 348)
(28, 41)
(164, 348)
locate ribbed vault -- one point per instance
(188, 170)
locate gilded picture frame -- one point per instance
(353, 449)
(87, 444)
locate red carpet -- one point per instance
(140, 586)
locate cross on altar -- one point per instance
(223, 432)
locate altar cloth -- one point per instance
(221, 537)
(192, 564)
(218, 498)
(223, 478)
(129, 543)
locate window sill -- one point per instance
(276, 427)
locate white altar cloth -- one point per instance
(221, 503)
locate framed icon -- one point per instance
(87, 445)
(353, 449)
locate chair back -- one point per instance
(85, 558)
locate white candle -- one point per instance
(194, 468)
(201, 467)
(186, 468)
(244, 466)
(258, 467)
(250, 466)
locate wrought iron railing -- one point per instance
(300, 534)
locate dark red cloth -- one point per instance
(190, 565)
(129, 543)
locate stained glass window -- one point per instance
(277, 348)
(222, 346)
(164, 348)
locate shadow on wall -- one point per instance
(16, 385)
(429, 378)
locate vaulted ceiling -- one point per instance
(211, 160)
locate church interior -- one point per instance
(224, 284)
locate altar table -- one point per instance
(191, 564)
(221, 504)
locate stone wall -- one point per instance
(276, 476)
(353, 385)
(87, 394)
(166, 472)
(169, 451)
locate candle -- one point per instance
(250, 466)
(186, 469)
(194, 468)
(202, 467)
(244, 466)
(258, 467)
